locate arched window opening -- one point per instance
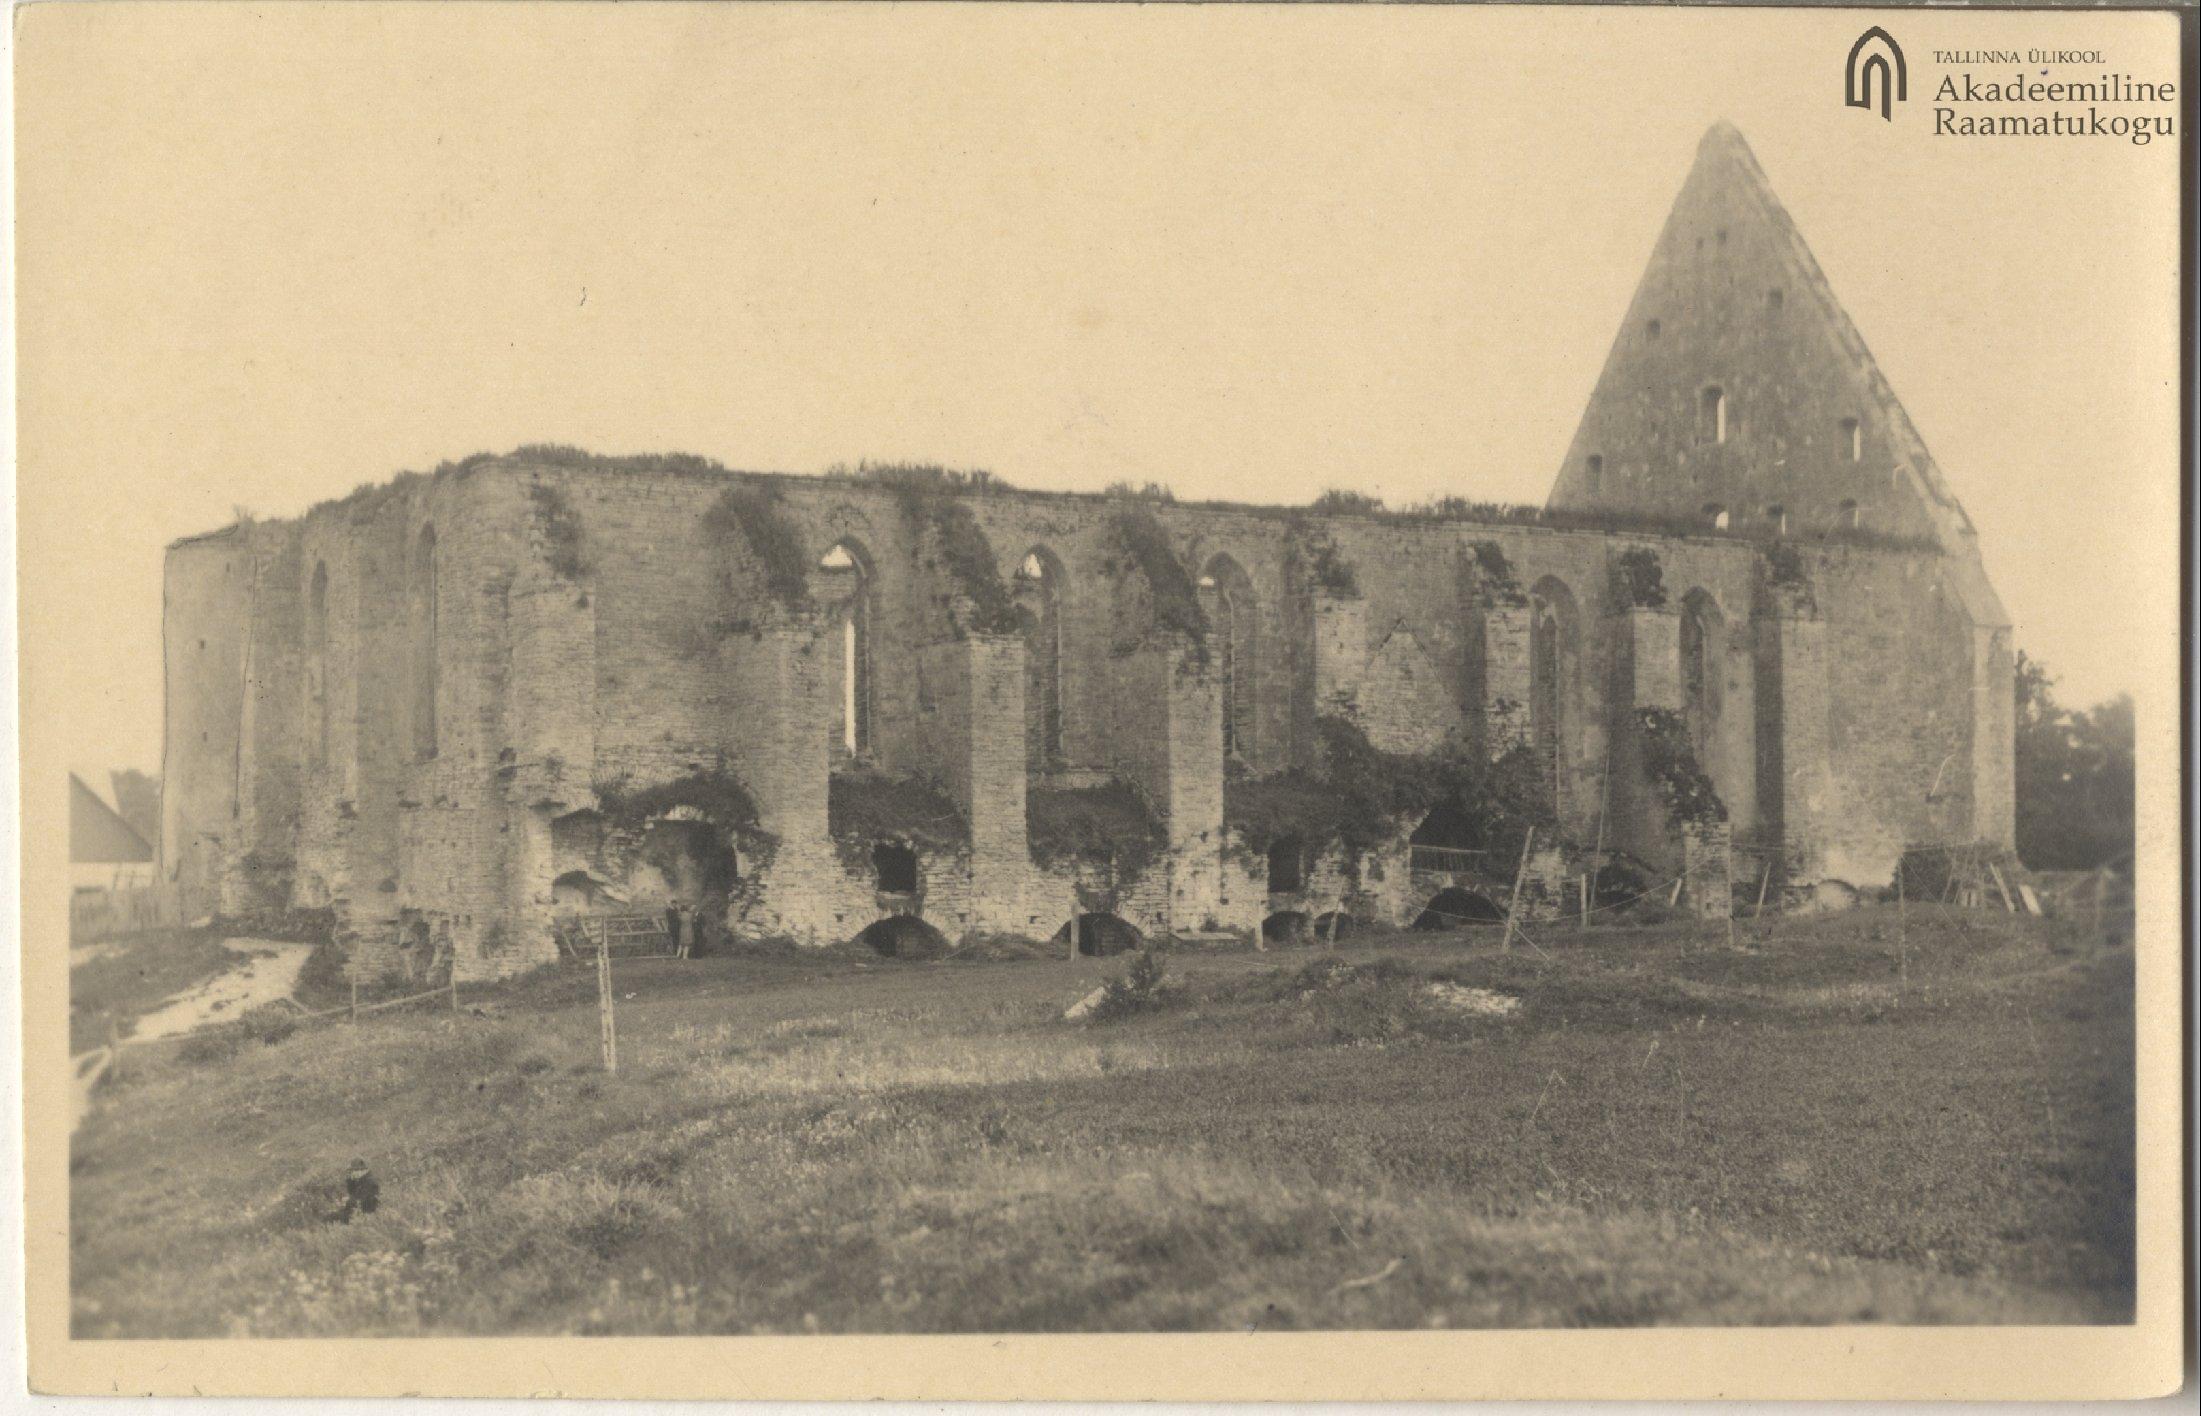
(1554, 708)
(1703, 637)
(1594, 469)
(1287, 865)
(1851, 517)
(1853, 440)
(1777, 518)
(422, 592)
(1238, 661)
(1039, 586)
(317, 664)
(850, 591)
(1715, 516)
(1712, 416)
(896, 867)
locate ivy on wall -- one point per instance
(1670, 761)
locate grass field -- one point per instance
(1811, 1129)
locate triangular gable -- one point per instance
(1734, 380)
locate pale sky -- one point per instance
(269, 253)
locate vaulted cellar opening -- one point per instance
(1100, 934)
(1456, 908)
(904, 937)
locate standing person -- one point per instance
(672, 927)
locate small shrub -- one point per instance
(1638, 582)
(1338, 500)
(1501, 585)
(1670, 761)
(1144, 544)
(561, 531)
(748, 516)
(1136, 990)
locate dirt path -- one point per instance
(270, 972)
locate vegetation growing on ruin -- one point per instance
(1338, 500)
(716, 795)
(1142, 543)
(1106, 822)
(748, 518)
(866, 807)
(1638, 582)
(713, 793)
(1501, 585)
(1326, 566)
(562, 533)
(1784, 565)
(1670, 761)
(931, 500)
(1144, 491)
(1362, 798)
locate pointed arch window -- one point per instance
(1239, 667)
(1039, 592)
(317, 664)
(423, 596)
(1712, 415)
(849, 572)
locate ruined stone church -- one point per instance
(1748, 646)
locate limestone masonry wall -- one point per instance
(419, 742)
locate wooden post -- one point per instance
(1075, 916)
(1585, 899)
(1730, 910)
(1902, 931)
(605, 1021)
(1513, 905)
(1763, 881)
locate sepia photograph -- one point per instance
(1418, 674)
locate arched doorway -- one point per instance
(1286, 927)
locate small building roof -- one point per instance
(97, 833)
